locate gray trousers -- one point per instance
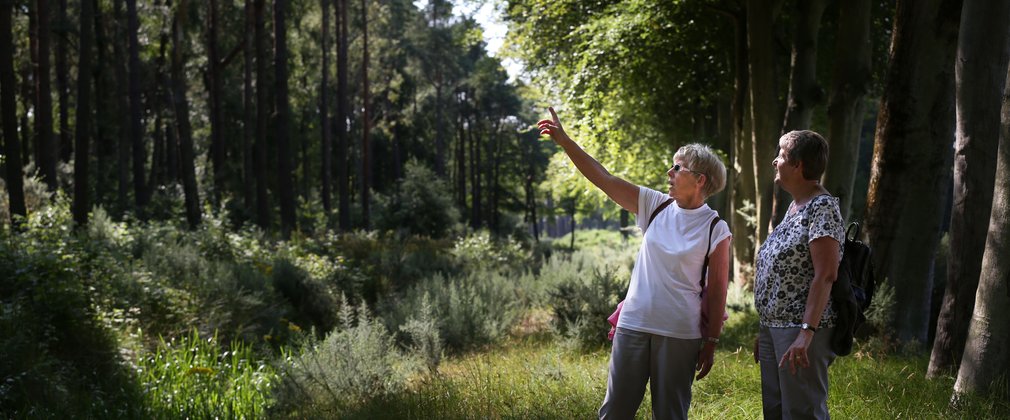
(666, 363)
(800, 396)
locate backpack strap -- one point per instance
(704, 266)
(657, 210)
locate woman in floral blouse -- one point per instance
(796, 267)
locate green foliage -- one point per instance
(57, 357)
(481, 251)
(420, 205)
(582, 305)
(473, 309)
(423, 336)
(314, 301)
(355, 363)
(194, 377)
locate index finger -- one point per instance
(553, 114)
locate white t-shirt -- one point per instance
(664, 296)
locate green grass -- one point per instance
(193, 378)
(537, 377)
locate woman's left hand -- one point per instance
(706, 358)
(796, 355)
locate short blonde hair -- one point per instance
(701, 159)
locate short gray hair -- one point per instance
(808, 147)
(701, 159)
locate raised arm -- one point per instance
(624, 193)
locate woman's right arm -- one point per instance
(624, 193)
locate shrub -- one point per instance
(481, 252)
(421, 205)
(313, 302)
(472, 310)
(423, 336)
(582, 305)
(56, 356)
(355, 363)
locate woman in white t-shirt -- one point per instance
(658, 339)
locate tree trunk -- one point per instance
(12, 146)
(461, 159)
(764, 104)
(44, 117)
(218, 152)
(474, 169)
(262, 116)
(29, 95)
(980, 69)
(804, 91)
(81, 203)
(847, 106)
(157, 177)
(285, 185)
(66, 146)
(187, 159)
(140, 189)
(913, 144)
(343, 96)
(741, 188)
(985, 366)
(326, 171)
(366, 122)
(123, 135)
(248, 107)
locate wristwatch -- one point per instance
(808, 327)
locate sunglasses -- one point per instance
(678, 168)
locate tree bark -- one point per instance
(326, 171)
(343, 97)
(81, 203)
(12, 146)
(804, 91)
(847, 106)
(764, 104)
(140, 189)
(66, 146)
(285, 185)
(120, 60)
(980, 69)
(248, 107)
(985, 366)
(218, 152)
(913, 144)
(262, 116)
(185, 133)
(44, 116)
(741, 187)
(366, 122)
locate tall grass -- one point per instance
(539, 377)
(193, 377)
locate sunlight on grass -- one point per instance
(538, 377)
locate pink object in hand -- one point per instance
(613, 321)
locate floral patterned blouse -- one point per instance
(785, 268)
